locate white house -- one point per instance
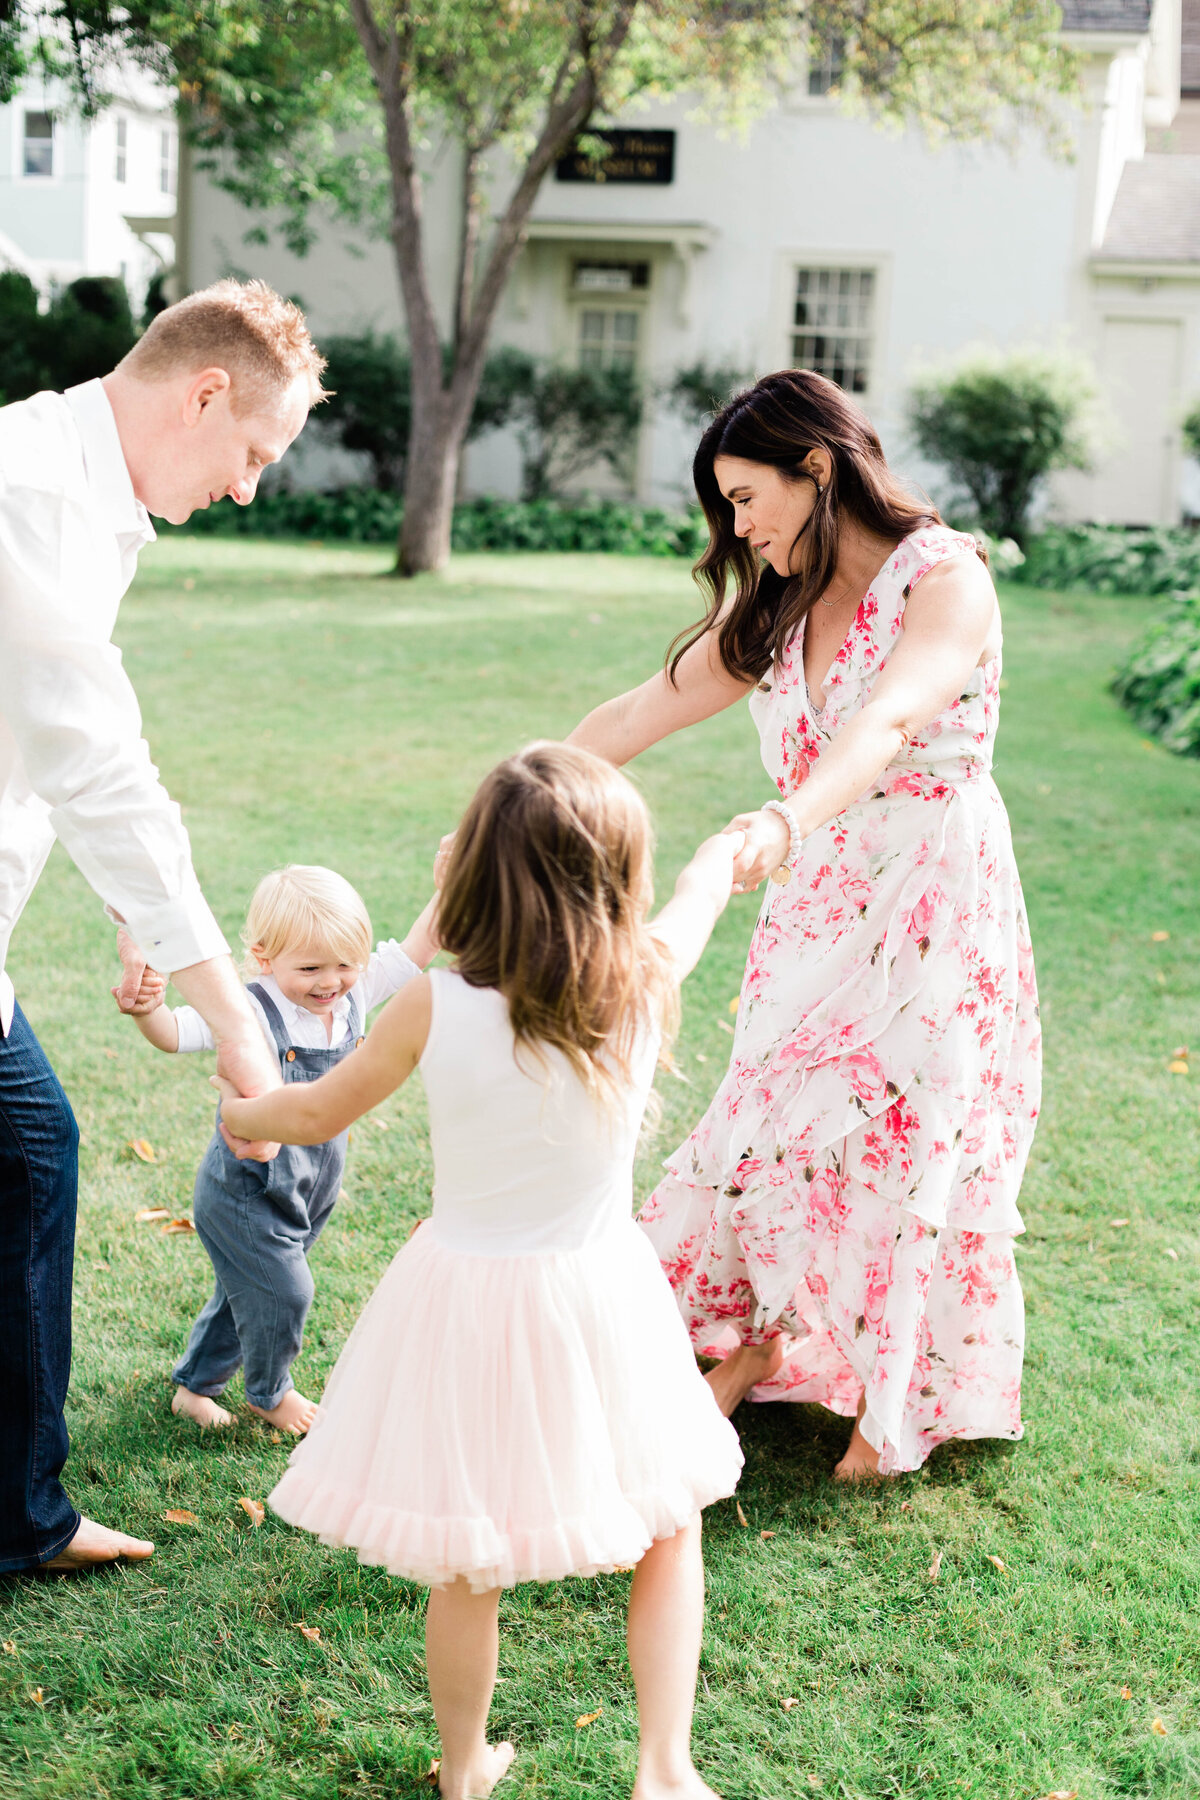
(79, 198)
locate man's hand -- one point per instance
(248, 1066)
(141, 988)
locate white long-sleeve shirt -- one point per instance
(73, 762)
(388, 969)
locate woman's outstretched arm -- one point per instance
(621, 729)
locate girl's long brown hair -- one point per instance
(779, 421)
(545, 898)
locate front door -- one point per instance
(1141, 371)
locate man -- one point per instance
(216, 389)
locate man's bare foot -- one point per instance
(688, 1785)
(861, 1462)
(741, 1370)
(476, 1782)
(294, 1413)
(200, 1408)
(94, 1544)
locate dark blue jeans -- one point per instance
(39, 1141)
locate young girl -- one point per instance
(518, 1401)
(308, 936)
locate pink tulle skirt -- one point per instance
(514, 1418)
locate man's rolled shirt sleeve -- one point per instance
(75, 718)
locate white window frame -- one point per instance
(121, 146)
(783, 326)
(168, 162)
(21, 112)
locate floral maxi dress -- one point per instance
(854, 1182)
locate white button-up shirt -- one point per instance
(73, 762)
(388, 969)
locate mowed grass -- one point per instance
(303, 708)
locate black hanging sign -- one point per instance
(631, 156)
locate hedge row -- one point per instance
(370, 516)
(1160, 681)
(1112, 559)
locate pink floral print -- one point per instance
(854, 1182)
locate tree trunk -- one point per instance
(429, 489)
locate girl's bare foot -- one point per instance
(687, 1786)
(479, 1780)
(861, 1462)
(294, 1413)
(741, 1370)
(93, 1544)
(200, 1408)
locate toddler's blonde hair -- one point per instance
(306, 907)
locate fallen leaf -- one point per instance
(814, 1781)
(724, 1025)
(381, 1124)
(150, 1213)
(998, 1563)
(38, 1698)
(741, 1517)
(735, 1003)
(766, 1534)
(111, 1054)
(1173, 1254)
(1181, 1050)
(1159, 937)
(788, 1704)
(1158, 1728)
(1127, 1693)
(311, 1632)
(906, 1506)
(624, 1568)
(1178, 1067)
(254, 1509)
(179, 1515)
(935, 1567)
(588, 1718)
(1117, 1224)
(143, 1149)
(1062, 1794)
(179, 1225)
(431, 1773)
(10, 1649)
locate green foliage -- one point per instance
(1159, 683)
(701, 390)
(367, 515)
(85, 332)
(999, 423)
(1113, 559)
(567, 419)
(1191, 431)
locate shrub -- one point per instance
(699, 391)
(367, 515)
(1000, 423)
(21, 368)
(568, 419)
(87, 330)
(1160, 681)
(1113, 559)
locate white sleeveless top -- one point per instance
(524, 1159)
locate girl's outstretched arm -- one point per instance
(701, 895)
(312, 1112)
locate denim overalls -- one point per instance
(258, 1221)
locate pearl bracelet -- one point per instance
(783, 873)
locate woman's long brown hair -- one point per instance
(545, 898)
(778, 422)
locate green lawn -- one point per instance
(302, 708)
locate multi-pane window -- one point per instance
(39, 144)
(833, 325)
(122, 163)
(608, 337)
(166, 162)
(825, 66)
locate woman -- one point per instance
(839, 1226)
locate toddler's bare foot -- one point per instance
(294, 1413)
(477, 1781)
(861, 1462)
(93, 1544)
(741, 1370)
(688, 1785)
(200, 1408)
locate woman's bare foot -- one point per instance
(861, 1462)
(687, 1786)
(741, 1370)
(294, 1413)
(479, 1780)
(200, 1408)
(94, 1544)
